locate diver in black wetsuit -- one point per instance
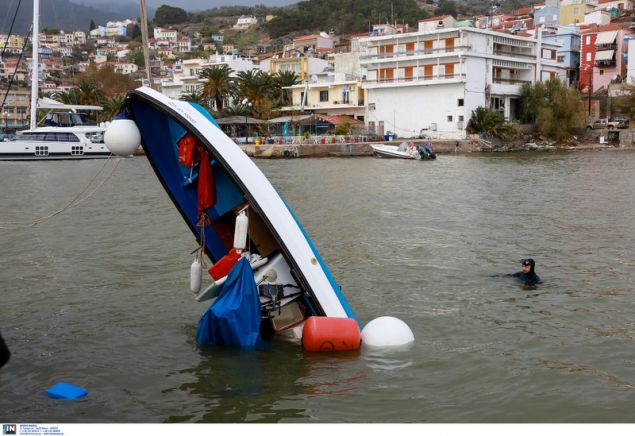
(527, 276)
(4, 352)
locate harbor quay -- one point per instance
(344, 149)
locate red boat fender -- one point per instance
(323, 333)
(221, 268)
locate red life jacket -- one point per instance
(187, 150)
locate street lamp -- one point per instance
(248, 104)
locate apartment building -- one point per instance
(602, 56)
(430, 82)
(185, 78)
(16, 110)
(302, 66)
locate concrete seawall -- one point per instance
(288, 151)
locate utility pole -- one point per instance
(590, 86)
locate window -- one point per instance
(449, 118)
(576, 11)
(460, 102)
(561, 58)
(588, 57)
(461, 118)
(324, 96)
(588, 40)
(601, 72)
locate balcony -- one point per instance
(414, 81)
(410, 53)
(513, 54)
(511, 81)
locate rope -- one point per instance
(76, 200)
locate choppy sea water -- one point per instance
(98, 296)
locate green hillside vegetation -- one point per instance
(343, 16)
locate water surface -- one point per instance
(98, 295)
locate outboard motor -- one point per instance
(426, 152)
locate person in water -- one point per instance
(527, 275)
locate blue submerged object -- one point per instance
(66, 391)
(234, 318)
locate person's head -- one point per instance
(527, 265)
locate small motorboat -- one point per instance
(266, 276)
(406, 150)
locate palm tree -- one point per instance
(112, 106)
(282, 80)
(256, 87)
(218, 85)
(90, 93)
(195, 96)
(67, 97)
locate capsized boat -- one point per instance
(235, 214)
(406, 150)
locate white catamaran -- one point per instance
(66, 134)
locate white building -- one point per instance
(186, 78)
(166, 34)
(430, 82)
(126, 68)
(245, 22)
(630, 72)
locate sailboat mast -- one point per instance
(144, 41)
(35, 61)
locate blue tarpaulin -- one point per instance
(234, 318)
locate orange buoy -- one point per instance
(323, 333)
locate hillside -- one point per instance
(64, 14)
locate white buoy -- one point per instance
(240, 232)
(122, 137)
(386, 331)
(195, 276)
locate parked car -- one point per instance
(619, 123)
(602, 123)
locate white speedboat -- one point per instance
(406, 150)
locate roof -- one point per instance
(291, 119)
(307, 37)
(239, 119)
(339, 119)
(439, 18)
(523, 11)
(600, 29)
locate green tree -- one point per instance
(284, 79)
(194, 97)
(258, 88)
(112, 106)
(490, 123)
(218, 85)
(169, 15)
(555, 109)
(626, 104)
(446, 7)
